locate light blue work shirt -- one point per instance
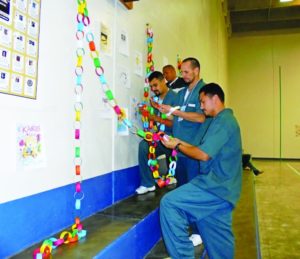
(170, 99)
(185, 130)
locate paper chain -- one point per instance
(77, 232)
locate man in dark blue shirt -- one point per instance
(165, 96)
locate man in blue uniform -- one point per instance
(189, 123)
(207, 200)
(188, 120)
(166, 96)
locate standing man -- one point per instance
(187, 121)
(166, 96)
(208, 200)
(173, 81)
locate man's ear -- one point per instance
(215, 98)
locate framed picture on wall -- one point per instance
(19, 43)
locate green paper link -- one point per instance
(77, 152)
(154, 162)
(109, 95)
(97, 62)
(151, 110)
(141, 133)
(86, 12)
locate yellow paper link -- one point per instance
(77, 115)
(155, 174)
(46, 245)
(151, 150)
(123, 114)
(79, 61)
(81, 8)
(63, 234)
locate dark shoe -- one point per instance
(257, 172)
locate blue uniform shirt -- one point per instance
(222, 173)
(184, 129)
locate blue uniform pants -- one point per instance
(186, 169)
(212, 215)
(147, 179)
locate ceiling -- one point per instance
(247, 16)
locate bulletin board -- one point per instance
(19, 41)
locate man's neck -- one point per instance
(194, 83)
(218, 110)
(163, 95)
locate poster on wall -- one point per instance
(138, 63)
(134, 113)
(30, 147)
(124, 77)
(122, 129)
(123, 42)
(105, 39)
(19, 39)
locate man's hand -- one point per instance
(154, 104)
(164, 108)
(171, 143)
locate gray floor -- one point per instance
(275, 196)
(278, 206)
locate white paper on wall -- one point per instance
(123, 77)
(138, 63)
(105, 39)
(123, 42)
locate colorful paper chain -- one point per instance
(77, 231)
(147, 125)
(179, 62)
(150, 62)
(153, 139)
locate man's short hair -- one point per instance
(194, 62)
(169, 67)
(156, 74)
(212, 89)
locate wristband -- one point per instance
(177, 147)
(172, 110)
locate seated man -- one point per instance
(209, 198)
(166, 96)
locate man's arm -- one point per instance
(190, 116)
(186, 148)
(168, 122)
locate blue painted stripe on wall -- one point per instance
(29, 220)
(136, 242)
(126, 182)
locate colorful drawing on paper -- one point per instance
(30, 150)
